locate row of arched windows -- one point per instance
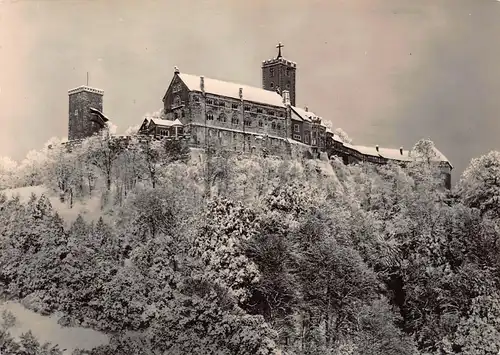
(235, 121)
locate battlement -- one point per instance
(85, 88)
(279, 60)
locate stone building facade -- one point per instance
(226, 115)
(214, 114)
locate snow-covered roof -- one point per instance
(280, 60)
(441, 156)
(166, 123)
(232, 90)
(306, 115)
(301, 114)
(388, 153)
(393, 154)
(99, 113)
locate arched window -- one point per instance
(177, 100)
(222, 117)
(210, 116)
(235, 119)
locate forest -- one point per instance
(232, 254)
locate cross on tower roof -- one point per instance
(279, 46)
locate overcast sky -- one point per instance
(386, 71)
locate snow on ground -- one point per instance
(90, 209)
(46, 329)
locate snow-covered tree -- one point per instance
(479, 185)
(219, 247)
(132, 130)
(33, 167)
(8, 173)
(102, 151)
(152, 152)
(424, 150)
(343, 135)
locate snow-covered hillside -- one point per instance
(90, 209)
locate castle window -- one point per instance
(260, 124)
(280, 114)
(176, 88)
(210, 101)
(235, 106)
(196, 99)
(296, 137)
(272, 85)
(259, 110)
(296, 128)
(210, 116)
(273, 125)
(222, 117)
(288, 85)
(247, 108)
(222, 103)
(183, 114)
(306, 139)
(235, 120)
(270, 113)
(248, 123)
(287, 71)
(177, 101)
(271, 71)
(278, 125)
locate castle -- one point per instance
(210, 113)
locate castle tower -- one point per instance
(84, 104)
(279, 74)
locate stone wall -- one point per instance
(229, 113)
(80, 125)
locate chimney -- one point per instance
(376, 147)
(176, 70)
(241, 93)
(401, 150)
(202, 84)
(306, 109)
(286, 97)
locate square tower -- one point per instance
(279, 74)
(81, 122)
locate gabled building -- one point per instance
(236, 116)
(213, 113)
(158, 127)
